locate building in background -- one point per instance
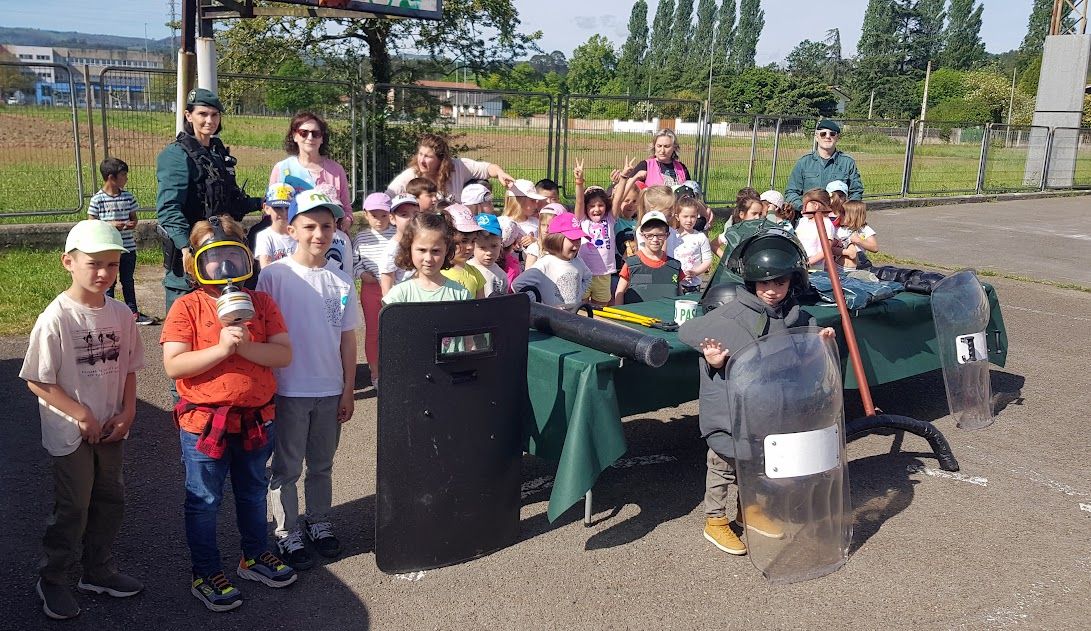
(125, 85)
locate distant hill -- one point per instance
(21, 36)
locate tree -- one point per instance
(750, 91)
(963, 48)
(629, 65)
(14, 79)
(290, 95)
(681, 40)
(1037, 28)
(549, 62)
(804, 95)
(747, 34)
(593, 66)
(808, 59)
(833, 53)
(702, 42)
(725, 35)
(927, 36)
(659, 45)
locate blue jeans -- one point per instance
(205, 479)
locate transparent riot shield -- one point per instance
(960, 310)
(451, 400)
(784, 392)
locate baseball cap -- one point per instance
(523, 188)
(489, 223)
(402, 200)
(552, 209)
(509, 231)
(837, 185)
(462, 218)
(202, 96)
(92, 236)
(279, 195)
(377, 201)
(306, 201)
(653, 215)
(476, 194)
(567, 224)
(773, 197)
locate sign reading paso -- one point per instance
(421, 9)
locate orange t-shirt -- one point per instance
(235, 381)
(646, 260)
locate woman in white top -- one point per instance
(433, 160)
(308, 148)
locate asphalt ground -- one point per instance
(1004, 543)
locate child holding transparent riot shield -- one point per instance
(774, 269)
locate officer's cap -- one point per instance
(201, 96)
(826, 123)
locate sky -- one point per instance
(565, 24)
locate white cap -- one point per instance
(654, 215)
(524, 188)
(476, 194)
(509, 231)
(402, 200)
(92, 236)
(773, 197)
(837, 185)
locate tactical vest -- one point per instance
(650, 283)
(217, 190)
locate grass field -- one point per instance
(38, 167)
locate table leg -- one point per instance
(587, 509)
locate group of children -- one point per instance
(294, 360)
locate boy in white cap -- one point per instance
(315, 391)
(478, 198)
(81, 363)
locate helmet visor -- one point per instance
(223, 262)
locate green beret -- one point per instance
(201, 96)
(826, 123)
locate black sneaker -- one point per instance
(144, 320)
(321, 535)
(117, 585)
(57, 600)
(294, 552)
(216, 592)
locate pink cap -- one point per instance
(377, 201)
(552, 209)
(463, 218)
(567, 224)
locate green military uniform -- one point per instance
(814, 171)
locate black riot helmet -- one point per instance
(718, 295)
(767, 255)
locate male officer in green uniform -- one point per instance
(822, 166)
(196, 177)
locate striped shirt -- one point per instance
(369, 249)
(118, 207)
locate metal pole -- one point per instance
(1011, 99)
(76, 136)
(186, 61)
(105, 132)
(753, 153)
(89, 98)
(907, 170)
(871, 105)
(1049, 158)
(549, 143)
(776, 155)
(984, 156)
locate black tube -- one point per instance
(608, 338)
(858, 428)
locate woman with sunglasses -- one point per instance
(823, 165)
(308, 146)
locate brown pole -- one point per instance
(846, 321)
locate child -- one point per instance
(534, 251)
(424, 190)
(510, 236)
(340, 250)
(856, 237)
(368, 249)
(81, 363)
(465, 234)
(652, 273)
(522, 203)
(778, 212)
(839, 194)
(402, 210)
(225, 411)
(775, 272)
(694, 251)
(478, 198)
(593, 211)
(427, 248)
(816, 204)
(315, 391)
(548, 189)
(560, 276)
(117, 206)
(273, 243)
(487, 251)
(657, 199)
(623, 199)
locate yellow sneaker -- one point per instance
(720, 534)
(756, 520)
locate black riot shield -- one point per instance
(452, 392)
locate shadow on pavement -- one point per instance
(881, 488)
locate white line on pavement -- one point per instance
(938, 473)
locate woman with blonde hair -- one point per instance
(662, 167)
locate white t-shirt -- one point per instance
(807, 233)
(692, 251)
(462, 170)
(273, 244)
(844, 234)
(496, 279)
(529, 226)
(387, 266)
(368, 249)
(318, 305)
(562, 283)
(341, 251)
(89, 353)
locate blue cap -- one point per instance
(489, 223)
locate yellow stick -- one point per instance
(629, 314)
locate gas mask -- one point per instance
(222, 260)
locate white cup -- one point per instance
(685, 310)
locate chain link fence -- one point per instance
(946, 158)
(1069, 158)
(1008, 161)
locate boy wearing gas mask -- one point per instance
(221, 344)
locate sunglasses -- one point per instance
(827, 134)
(309, 133)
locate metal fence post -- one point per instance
(357, 192)
(984, 155)
(776, 154)
(89, 98)
(1049, 159)
(907, 170)
(753, 153)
